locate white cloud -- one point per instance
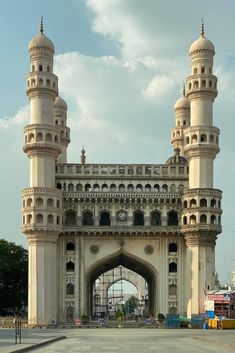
(20, 118)
(159, 86)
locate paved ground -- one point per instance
(130, 341)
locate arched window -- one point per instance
(40, 68)
(87, 219)
(172, 218)
(39, 202)
(213, 203)
(70, 187)
(50, 219)
(29, 202)
(192, 219)
(164, 188)
(203, 202)
(203, 83)
(193, 203)
(189, 85)
(121, 187)
(104, 187)
(213, 219)
(58, 203)
(173, 188)
(155, 218)
(39, 137)
(70, 266)
(194, 138)
(59, 186)
(70, 218)
(58, 220)
(48, 137)
(156, 187)
(31, 138)
(203, 138)
(29, 218)
(79, 187)
(210, 84)
(138, 218)
(203, 70)
(105, 219)
(172, 247)
(195, 71)
(113, 187)
(203, 218)
(88, 187)
(39, 218)
(187, 140)
(50, 202)
(185, 204)
(211, 138)
(69, 289)
(130, 187)
(185, 221)
(96, 187)
(70, 246)
(139, 187)
(48, 83)
(56, 139)
(40, 81)
(147, 187)
(173, 289)
(172, 267)
(195, 84)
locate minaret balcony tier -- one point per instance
(201, 85)
(41, 209)
(42, 81)
(43, 138)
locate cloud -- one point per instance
(159, 86)
(20, 118)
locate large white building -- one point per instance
(81, 220)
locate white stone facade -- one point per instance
(81, 220)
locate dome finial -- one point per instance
(41, 25)
(202, 27)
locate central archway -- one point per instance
(130, 262)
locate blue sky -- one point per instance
(121, 65)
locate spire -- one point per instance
(202, 27)
(83, 156)
(41, 25)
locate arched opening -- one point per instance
(69, 289)
(211, 138)
(156, 187)
(172, 267)
(203, 83)
(50, 202)
(185, 204)
(139, 187)
(87, 218)
(29, 202)
(121, 187)
(193, 203)
(213, 219)
(59, 186)
(203, 138)
(172, 247)
(39, 202)
(121, 261)
(70, 187)
(40, 67)
(192, 219)
(172, 218)
(70, 314)
(172, 289)
(88, 187)
(164, 188)
(147, 187)
(155, 218)
(48, 137)
(105, 219)
(203, 218)
(96, 187)
(203, 202)
(79, 187)
(70, 218)
(130, 187)
(213, 203)
(70, 266)
(194, 138)
(113, 188)
(39, 137)
(138, 218)
(50, 219)
(185, 221)
(39, 218)
(173, 188)
(104, 187)
(70, 246)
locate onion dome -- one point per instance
(202, 44)
(182, 102)
(176, 159)
(60, 103)
(41, 41)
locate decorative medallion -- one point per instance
(94, 249)
(148, 249)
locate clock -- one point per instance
(122, 216)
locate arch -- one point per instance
(70, 246)
(56, 139)
(190, 85)
(50, 202)
(31, 137)
(187, 140)
(172, 218)
(70, 187)
(69, 289)
(129, 261)
(130, 187)
(39, 137)
(138, 218)
(121, 187)
(39, 67)
(87, 187)
(173, 289)
(147, 187)
(96, 187)
(50, 219)
(192, 203)
(70, 218)
(79, 187)
(29, 218)
(185, 220)
(203, 218)
(87, 218)
(195, 84)
(213, 203)
(155, 219)
(113, 187)
(39, 202)
(48, 137)
(70, 266)
(172, 267)
(40, 81)
(139, 187)
(39, 218)
(195, 71)
(185, 204)
(58, 203)
(192, 219)
(203, 83)
(172, 247)
(203, 138)
(105, 219)
(58, 220)
(59, 186)
(48, 82)
(202, 69)
(203, 202)
(194, 138)
(211, 138)
(164, 188)
(29, 202)
(104, 187)
(156, 187)
(213, 219)
(173, 188)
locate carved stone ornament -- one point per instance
(148, 249)
(94, 249)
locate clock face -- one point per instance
(122, 216)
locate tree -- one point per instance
(130, 305)
(13, 277)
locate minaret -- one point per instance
(60, 120)
(83, 155)
(182, 121)
(42, 201)
(202, 212)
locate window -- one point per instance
(113, 187)
(70, 246)
(87, 219)
(70, 218)
(39, 202)
(213, 219)
(155, 218)
(156, 187)
(138, 218)
(193, 219)
(39, 218)
(172, 289)
(203, 219)
(172, 218)
(29, 202)
(193, 203)
(50, 202)
(130, 187)
(70, 187)
(50, 219)
(203, 202)
(70, 289)
(96, 187)
(79, 187)
(105, 219)
(87, 187)
(185, 221)
(70, 266)
(147, 187)
(172, 247)
(172, 267)
(139, 187)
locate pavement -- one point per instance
(125, 340)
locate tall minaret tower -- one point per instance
(202, 212)
(42, 201)
(60, 118)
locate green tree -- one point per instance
(13, 276)
(130, 305)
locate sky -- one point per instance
(121, 66)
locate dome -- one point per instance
(183, 103)
(40, 40)
(176, 159)
(60, 103)
(202, 44)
